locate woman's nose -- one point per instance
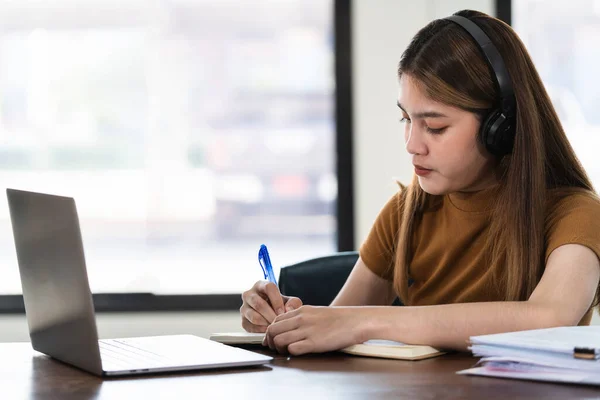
(414, 142)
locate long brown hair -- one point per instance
(447, 64)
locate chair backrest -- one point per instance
(317, 281)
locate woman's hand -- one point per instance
(316, 329)
(262, 303)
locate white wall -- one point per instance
(13, 328)
(381, 30)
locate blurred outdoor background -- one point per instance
(188, 132)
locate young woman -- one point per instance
(499, 230)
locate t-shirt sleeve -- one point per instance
(575, 219)
(379, 248)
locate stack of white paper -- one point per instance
(565, 354)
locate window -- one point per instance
(562, 39)
(188, 132)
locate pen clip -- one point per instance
(261, 260)
(265, 263)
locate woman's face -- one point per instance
(443, 143)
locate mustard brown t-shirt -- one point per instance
(448, 257)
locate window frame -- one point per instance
(504, 10)
(144, 302)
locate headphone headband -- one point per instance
(494, 60)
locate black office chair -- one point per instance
(317, 281)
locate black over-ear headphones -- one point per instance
(497, 130)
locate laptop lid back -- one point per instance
(56, 292)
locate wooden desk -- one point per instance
(25, 374)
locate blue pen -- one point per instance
(265, 263)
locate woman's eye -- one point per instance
(435, 131)
(404, 119)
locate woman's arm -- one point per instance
(562, 297)
(364, 288)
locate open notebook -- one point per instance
(371, 348)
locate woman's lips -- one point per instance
(421, 171)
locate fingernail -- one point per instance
(290, 308)
(280, 311)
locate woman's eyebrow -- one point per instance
(425, 114)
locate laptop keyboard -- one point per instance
(125, 354)
(171, 352)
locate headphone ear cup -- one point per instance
(497, 133)
(485, 135)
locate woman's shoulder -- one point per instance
(567, 198)
(564, 202)
(572, 216)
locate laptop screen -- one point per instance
(56, 292)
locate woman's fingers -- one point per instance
(284, 340)
(262, 305)
(250, 327)
(292, 303)
(300, 347)
(255, 300)
(282, 326)
(270, 291)
(254, 317)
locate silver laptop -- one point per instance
(59, 307)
